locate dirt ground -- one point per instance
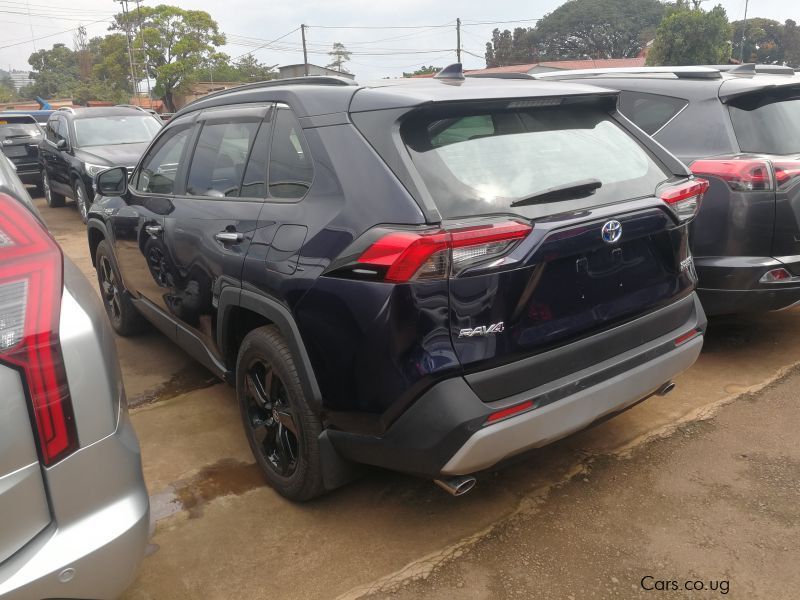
(699, 485)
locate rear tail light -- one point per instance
(685, 198)
(407, 255)
(740, 175)
(31, 269)
(779, 275)
(786, 172)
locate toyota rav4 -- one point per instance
(429, 276)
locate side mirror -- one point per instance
(112, 182)
(61, 144)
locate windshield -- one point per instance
(481, 163)
(14, 127)
(767, 125)
(125, 129)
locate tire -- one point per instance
(81, 199)
(124, 317)
(53, 200)
(282, 430)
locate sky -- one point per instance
(385, 37)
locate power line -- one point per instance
(267, 44)
(43, 37)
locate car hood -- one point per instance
(113, 155)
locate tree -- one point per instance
(7, 90)
(244, 70)
(423, 71)
(791, 43)
(692, 37)
(597, 28)
(176, 43)
(339, 55)
(762, 39)
(111, 72)
(55, 73)
(579, 29)
(508, 48)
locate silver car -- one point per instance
(74, 510)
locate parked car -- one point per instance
(428, 276)
(738, 127)
(20, 136)
(41, 116)
(74, 510)
(81, 142)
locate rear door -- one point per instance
(213, 218)
(593, 259)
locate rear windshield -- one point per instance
(482, 162)
(99, 131)
(18, 126)
(767, 125)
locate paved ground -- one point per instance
(660, 491)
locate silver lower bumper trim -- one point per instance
(541, 426)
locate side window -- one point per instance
(220, 158)
(650, 112)
(50, 130)
(157, 175)
(290, 166)
(254, 184)
(63, 129)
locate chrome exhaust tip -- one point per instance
(456, 486)
(665, 389)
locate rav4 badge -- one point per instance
(483, 330)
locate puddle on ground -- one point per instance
(190, 378)
(227, 477)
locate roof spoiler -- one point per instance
(752, 69)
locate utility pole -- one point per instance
(144, 52)
(458, 39)
(305, 52)
(134, 84)
(744, 32)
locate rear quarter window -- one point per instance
(767, 124)
(481, 163)
(650, 112)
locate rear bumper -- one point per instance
(730, 284)
(445, 431)
(104, 541)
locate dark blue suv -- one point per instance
(429, 276)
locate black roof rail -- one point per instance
(309, 80)
(751, 68)
(501, 75)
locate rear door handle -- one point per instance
(228, 237)
(154, 230)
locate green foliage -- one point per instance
(339, 55)
(423, 71)
(692, 37)
(246, 69)
(791, 43)
(7, 90)
(176, 43)
(55, 72)
(579, 29)
(766, 41)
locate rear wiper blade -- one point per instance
(569, 191)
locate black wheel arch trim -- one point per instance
(231, 297)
